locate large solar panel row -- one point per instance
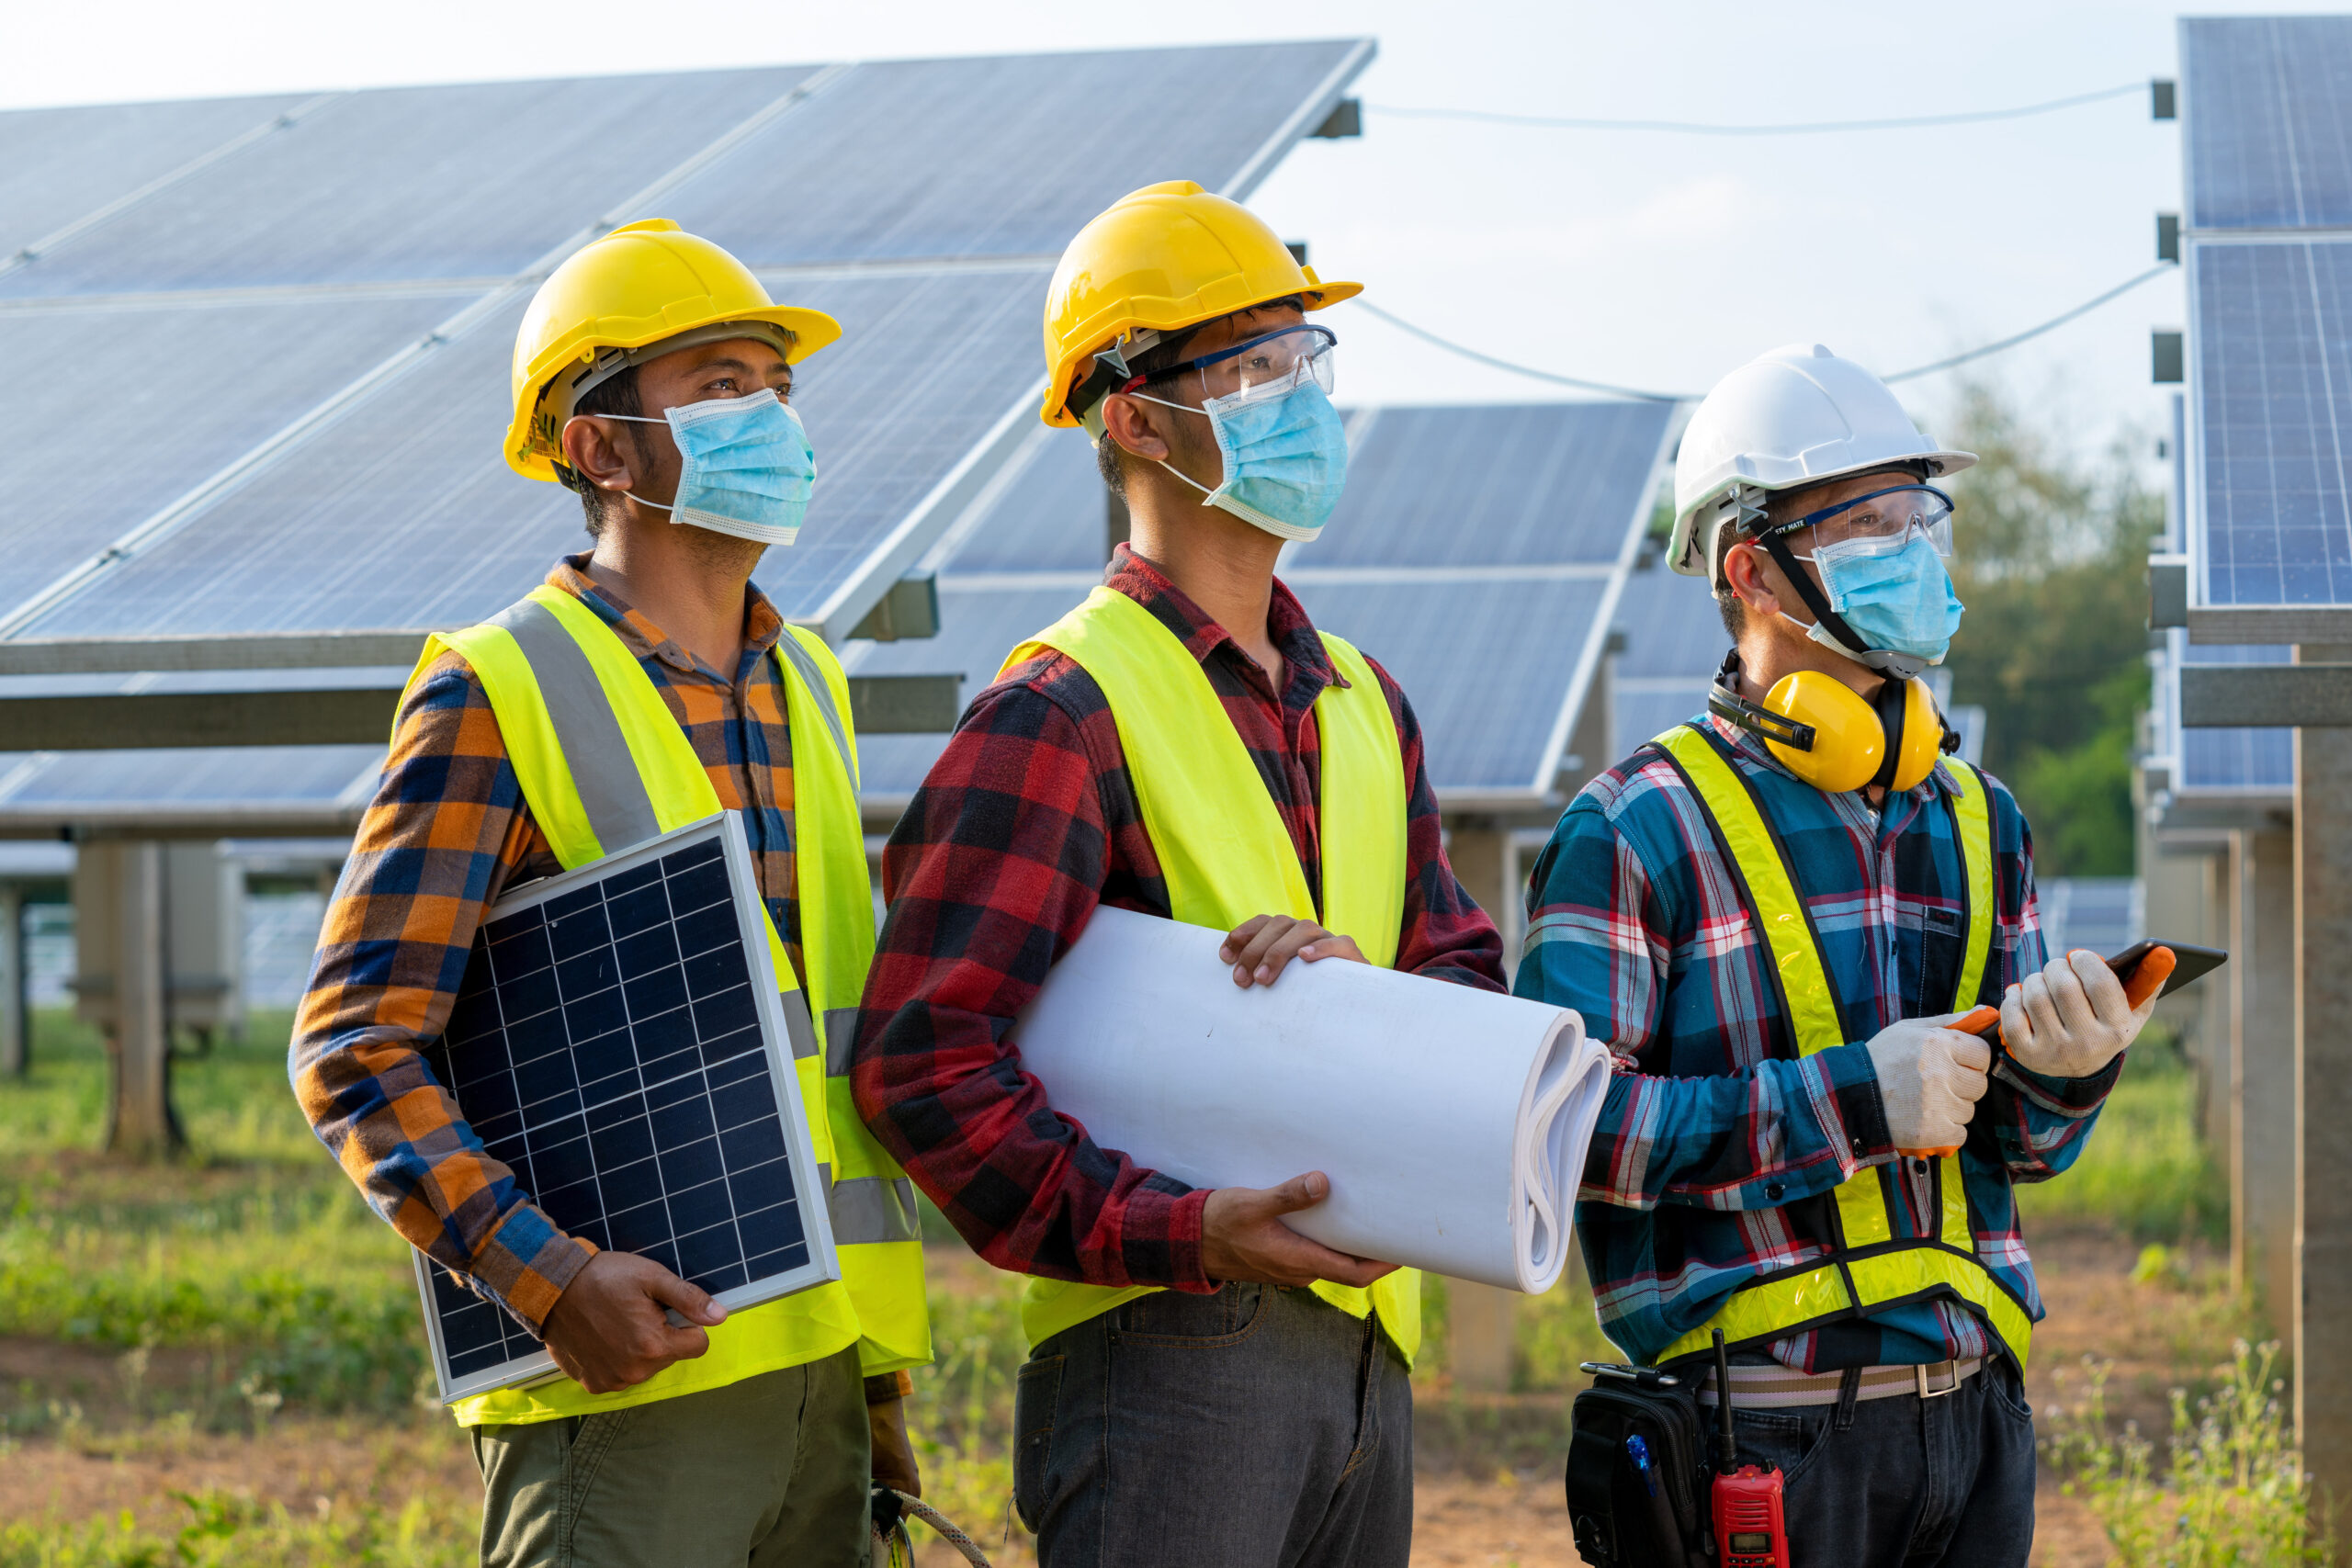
(615, 1043)
(1478, 555)
(944, 187)
(2267, 143)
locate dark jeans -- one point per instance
(1258, 1427)
(1947, 1482)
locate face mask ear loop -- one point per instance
(1810, 593)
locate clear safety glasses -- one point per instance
(1281, 359)
(1878, 524)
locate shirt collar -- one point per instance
(1286, 620)
(761, 622)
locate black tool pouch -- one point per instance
(1618, 1523)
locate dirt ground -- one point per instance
(1470, 1507)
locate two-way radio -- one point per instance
(1750, 1530)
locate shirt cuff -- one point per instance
(2073, 1099)
(887, 1386)
(1178, 1220)
(527, 1263)
(1852, 1110)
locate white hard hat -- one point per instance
(1793, 417)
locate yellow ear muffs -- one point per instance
(1848, 741)
(1917, 738)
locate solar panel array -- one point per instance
(615, 1043)
(1478, 555)
(333, 283)
(2267, 153)
(1674, 644)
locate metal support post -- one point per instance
(1478, 1336)
(139, 1114)
(15, 986)
(2264, 1129)
(2323, 1101)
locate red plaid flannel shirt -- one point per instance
(1027, 821)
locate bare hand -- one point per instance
(894, 1451)
(1259, 947)
(1243, 1237)
(607, 1330)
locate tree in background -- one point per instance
(2051, 559)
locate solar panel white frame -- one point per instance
(750, 929)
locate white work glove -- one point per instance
(1930, 1078)
(2072, 1018)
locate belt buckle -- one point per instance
(1920, 1375)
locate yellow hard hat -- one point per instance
(1164, 257)
(643, 283)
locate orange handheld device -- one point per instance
(2145, 968)
(1750, 1530)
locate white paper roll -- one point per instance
(1453, 1122)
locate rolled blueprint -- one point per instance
(1453, 1122)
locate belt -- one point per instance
(1780, 1388)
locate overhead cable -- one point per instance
(2007, 342)
(1814, 128)
(1452, 347)
(2059, 320)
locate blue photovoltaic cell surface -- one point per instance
(58, 165)
(56, 784)
(1532, 484)
(2260, 761)
(474, 181)
(2267, 121)
(1673, 643)
(606, 1044)
(2273, 326)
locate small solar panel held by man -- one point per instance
(619, 1041)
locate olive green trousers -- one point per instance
(772, 1470)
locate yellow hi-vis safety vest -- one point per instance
(1227, 855)
(604, 766)
(1870, 1270)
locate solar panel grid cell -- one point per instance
(2267, 140)
(606, 1046)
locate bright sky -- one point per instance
(1648, 259)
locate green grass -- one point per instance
(221, 1528)
(2143, 1171)
(254, 1246)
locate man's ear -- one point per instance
(591, 451)
(1133, 424)
(1755, 577)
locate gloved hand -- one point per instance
(1930, 1078)
(2072, 1018)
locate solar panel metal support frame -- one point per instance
(824, 1264)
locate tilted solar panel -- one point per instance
(56, 166)
(1673, 643)
(2271, 325)
(617, 1041)
(2267, 121)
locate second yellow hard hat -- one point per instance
(1164, 257)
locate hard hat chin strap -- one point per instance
(1854, 647)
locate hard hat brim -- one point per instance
(811, 330)
(1176, 316)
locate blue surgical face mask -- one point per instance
(1901, 600)
(1285, 456)
(747, 470)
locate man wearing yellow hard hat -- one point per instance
(1771, 914)
(1204, 1385)
(645, 685)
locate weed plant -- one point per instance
(2234, 1492)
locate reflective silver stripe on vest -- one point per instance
(874, 1209)
(797, 1026)
(822, 695)
(841, 1039)
(620, 812)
